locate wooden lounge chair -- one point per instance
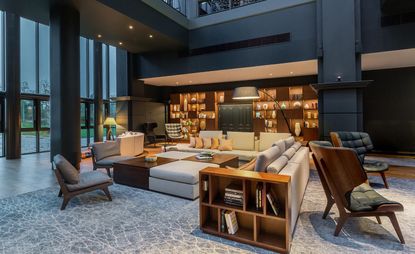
(72, 183)
(345, 181)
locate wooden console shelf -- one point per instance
(261, 228)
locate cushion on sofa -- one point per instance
(225, 145)
(215, 143)
(207, 143)
(106, 149)
(266, 157)
(180, 171)
(289, 153)
(242, 155)
(267, 139)
(281, 145)
(242, 140)
(211, 134)
(277, 165)
(89, 179)
(289, 142)
(109, 161)
(296, 146)
(69, 173)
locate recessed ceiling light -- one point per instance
(120, 43)
(130, 27)
(291, 72)
(270, 74)
(99, 36)
(177, 83)
(150, 36)
(190, 81)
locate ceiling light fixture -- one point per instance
(177, 83)
(291, 72)
(99, 36)
(190, 81)
(270, 74)
(130, 27)
(120, 43)
(150, 36)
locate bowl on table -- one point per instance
(150, 158)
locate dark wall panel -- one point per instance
(389, 115)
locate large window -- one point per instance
(86, 66)
(112, 59)
(87, 123)
(44, 60)
(28, 51)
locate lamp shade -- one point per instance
(245, 93)
(110, 121)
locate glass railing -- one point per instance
(207, 7)
(178, 5)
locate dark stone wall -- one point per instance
(389, 115)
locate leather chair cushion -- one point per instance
(69, 173)
(89, 179)
(106, 149)
(364, 198)
(359, 141)
(109, 161)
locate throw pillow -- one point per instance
(199, 143)
(277, 165)
(207, 143)
(69, 173)
(215, 143)
(192, 142)
(225, 145)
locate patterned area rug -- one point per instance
(138, 221)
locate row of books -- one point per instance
(229, 222)
(270, 196)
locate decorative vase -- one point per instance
(297, 129)
(194, 107)
(274, 114)
(213, 115)
(257, 115)
(297, 104)
(269, 124)
(314, 125)
(308, 114)
(283, 106)
(258, 106)
(202, 125)
(193, 100)
(306, 106)
(221, 99)
(307, 124)
(315, 115)
(265, 106)
(185, 104)
(174, 108)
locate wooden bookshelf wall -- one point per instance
(202, 110)
(261, 228)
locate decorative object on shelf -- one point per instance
(314, 125)
(194, 107)
(150, 158)
(221, 99)
(173, 116)
(174, 108)
(274, 114)
(307, 124)
(234, 195)
(297, 104)
(297, 129)
(213, 115)
(205, 185)
(251, 93)
(257, 115)
(269, 124)
(231, 222)
(315, 115)
(258, 106)
(283, 106)
(258, 197)
(185, 104)
(265, 106)
(177, 115)
(306, 106)
(308, 114)
(266, 122)
(193, 100)
(202, 125)
(109, 123)
(273, 201)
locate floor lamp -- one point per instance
(252, 93)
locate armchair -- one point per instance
(105, 154)
(174, 131)
(344, 182)
(362, 144)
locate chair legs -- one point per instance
(330, 203)
(378, 219)
(107, 193)
(65, 202)
(340, 224)
(60, 193)
(382, 174)
(108, 171)
(395, 224)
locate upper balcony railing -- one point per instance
(207, 7)
(178, 5)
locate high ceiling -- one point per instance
(372, 61)
(97, 18)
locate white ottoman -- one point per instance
(179, 178)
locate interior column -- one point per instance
(65, 83)
(12, 76)
(339, 50)
(98, 99)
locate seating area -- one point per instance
(207, 126)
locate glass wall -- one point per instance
(28, 51)
(44, 60)
(2, 84)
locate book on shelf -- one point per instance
(231, 222)
(234, 188)
(222, 221)
(273, 201)
(234, 195)
(258, 196)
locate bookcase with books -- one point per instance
(245, 206)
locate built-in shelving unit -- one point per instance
(261, 228)
(299, 104)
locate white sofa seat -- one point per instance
(242, 154)
(131, 144)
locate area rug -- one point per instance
(139, 221)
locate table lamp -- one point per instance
(110, 122)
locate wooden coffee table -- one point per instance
(222, 160)
(135, 172)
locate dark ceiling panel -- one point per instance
(394, 7)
